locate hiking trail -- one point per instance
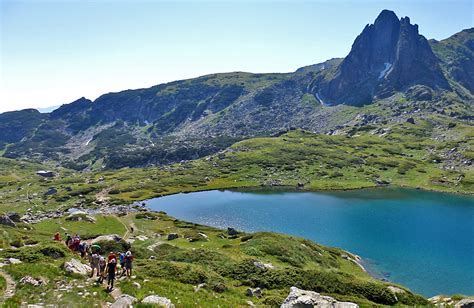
(9, 289)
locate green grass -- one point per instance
(103, 225)
(408, 155)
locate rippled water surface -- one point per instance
(423, 240)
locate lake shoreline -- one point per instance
(373, 223)
(286, 188)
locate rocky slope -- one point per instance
(391, 73)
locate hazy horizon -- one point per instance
(53, 53)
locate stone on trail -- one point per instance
(302, 298)
(75, 266)
(124, 301)
(158, 300)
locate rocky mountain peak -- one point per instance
(389, 55)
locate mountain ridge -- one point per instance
(202, 115)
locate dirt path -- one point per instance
(128, 227)
(10, 288)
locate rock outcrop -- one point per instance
(389, 55)
(75, 266)
(465, 303)
(6, 221)
(301, 298)
(108, 237)
(158, 300)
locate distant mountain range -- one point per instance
(391, 73)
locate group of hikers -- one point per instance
(119, 263)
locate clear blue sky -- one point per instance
(53, 52)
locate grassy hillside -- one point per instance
(226, 264)
(402, 154)
(434, 153)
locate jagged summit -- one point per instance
(389, 55)
(389, 62)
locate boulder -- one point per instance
(172, 236)
(124, 301)
(12, 261)
(465, 303)
(158, 300)
(108, 237)
(75, 266)
(301, 298)
(262, 265)
(257, 292)
(51, 191)
(200, 286)
(411, 120)
(45, 173)
(15, 217)
(6, 221)
(80, 216)
(232, 231)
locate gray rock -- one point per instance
(158, 300)
(124, 301)
(465, 303)
(232, 231)
(80, 216)
(15, 217)
(108, 237)
(172, 236)
(46, 174)
(6, 221)
(200, 286)
(257, 292)
(51, 191)
(75, 266)
(32, 281)
(12, 261)
(262, 265)
(301, 298)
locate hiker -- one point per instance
(94, 261)
(68, 239)
(83, 249)
(128, 263)
(122, 263)
(131, 229)
(57, 237)
(111, 256)
(76, 241)
(102, 266)
(111, 268)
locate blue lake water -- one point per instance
(423, 240)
